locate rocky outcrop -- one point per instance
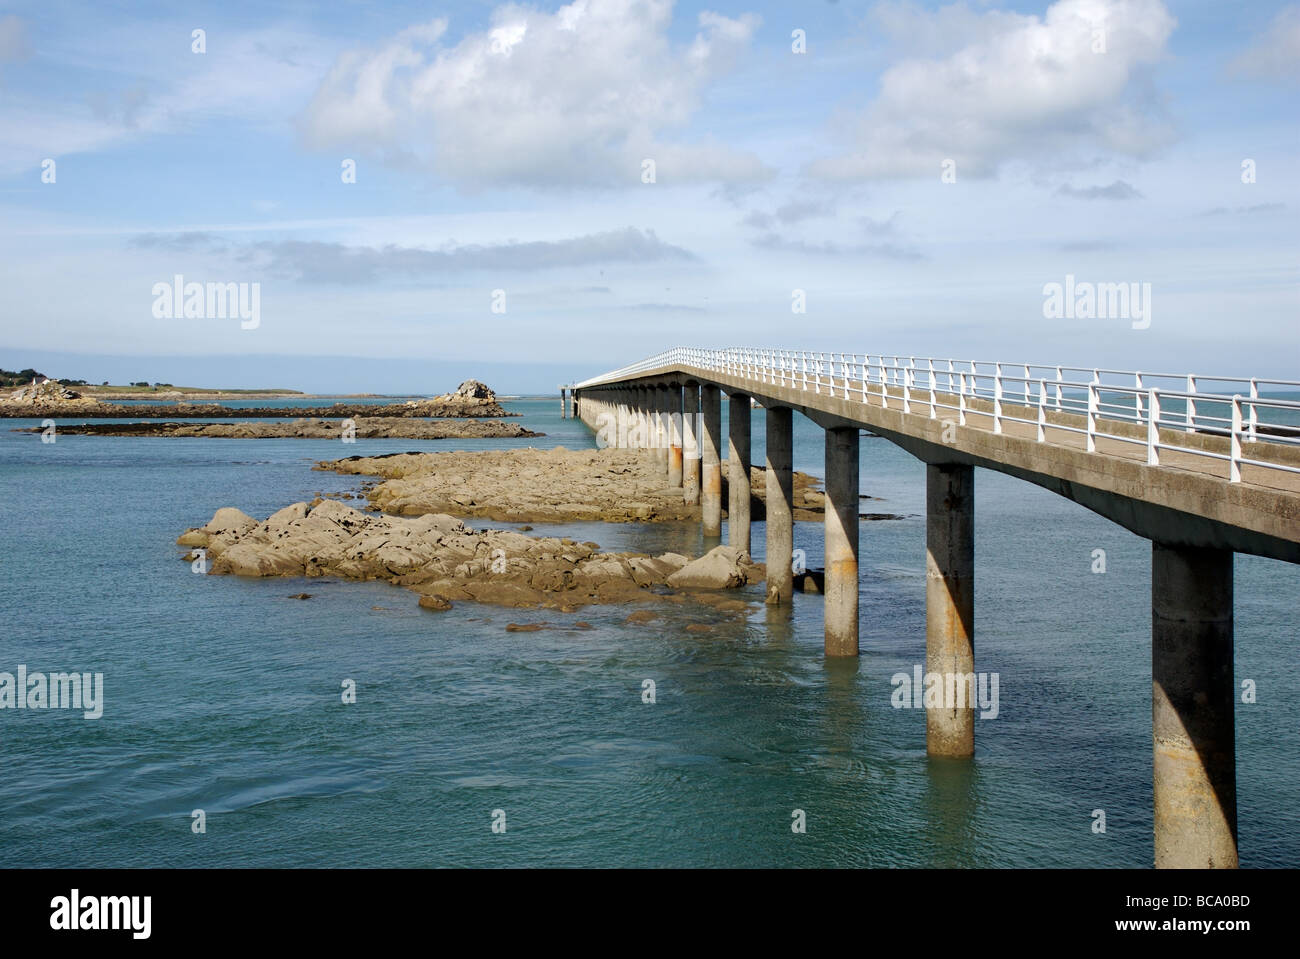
(721, 568)
(365, 428)
(547, 486)
(47, 398)
(472, 390)
(445, 561)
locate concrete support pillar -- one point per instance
(564, 404)
(624, 414)
(1192, 699)
(660, 433)
(710, 462)
(950, 605)
(647, 418)
(640, 432)
(690, 444)
(780, 505)
(739, 416)
(674, 424)
(841, 604)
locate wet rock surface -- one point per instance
(547, 486)
(445, 561)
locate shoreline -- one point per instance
(306, 428)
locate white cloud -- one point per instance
(1020, 88)
(1276, 54)
(579, 96)
(259, 77)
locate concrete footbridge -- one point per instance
(1203, 466)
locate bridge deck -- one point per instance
(1189, 497)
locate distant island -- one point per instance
(472, 401)
(142, 389)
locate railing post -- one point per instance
(997, 398)
(1092, 416)
(1042, 411)
(1153, 427)
(1254, 422)
(1060, 376)
(1137, 397)
(1028, 375)
(1234, 464)
(961, 401)
(933, 408)
(1191, 403)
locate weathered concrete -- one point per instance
(711, 462)
(950, 605)
(674, 423)
(659, 405)
(690, 444)
(841, 605)
(1192, 702)
(739, 418)
(779, 504)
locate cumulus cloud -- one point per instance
(322, 262)
(1022, 87)
(1276, 54)
(579, 96)
(1119, 190)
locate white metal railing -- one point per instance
(927, 386)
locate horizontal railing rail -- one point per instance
(1038, 393)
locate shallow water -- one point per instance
(224, 694)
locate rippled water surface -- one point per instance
(224, 694)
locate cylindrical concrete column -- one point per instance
(841, 603)
(710, 463)
(642, 431)
(690, 444)
(674, 423)
(950, 605)
(1192, 699)
(660, 395)
(624, 415)
(780, 505)
(739, 416)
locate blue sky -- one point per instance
(501, 147)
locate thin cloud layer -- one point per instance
(577, 97)
(1276, 54)
(320, 262)
(1022, 88)
(1119, 190)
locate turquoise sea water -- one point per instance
(223, 694)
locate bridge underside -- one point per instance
(1195, 518)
